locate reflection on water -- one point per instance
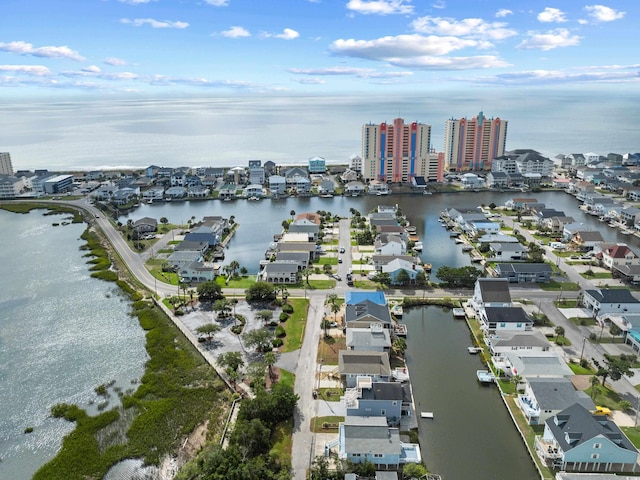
(472, 435)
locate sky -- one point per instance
(313, 47)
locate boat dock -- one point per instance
(485, 376)
(458, 313)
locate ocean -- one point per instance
(222, 132)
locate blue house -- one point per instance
(375, 399)
(577, 440)
(352, 297)
(370, 439)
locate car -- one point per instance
(341, 249)
(337, 277)
(339, 259)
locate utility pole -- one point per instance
(584, 339)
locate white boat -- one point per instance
(474, 350)
(418, 246)
(485, 376)
(426, 414)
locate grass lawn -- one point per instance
(330, 394)
(154, 265)
(287, 378)
(236, 282)
(555, 286)
(562, 341)
(282, 440)
(566, 303)
(326, 261)
(583, 321)
(295, 325)
(326, 424)
(578, 369)
(328, 349)
(633, 433)
(605, 397)
(366, 284)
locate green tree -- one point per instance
(516, 380)
(613, 368)
(293, 214)
(615, 330)
(164, 221)
(383, 279)
(230, 361)
(414, 470)
(222, 307)
(326, 268)
(208, 330)
(270, 361)
(256, 374)
(403, 277)
(209, 292)
(594, 381)
(559, 331)
(261, 292)
(265, 316)
(234, 266)
(259, 339)
(462, 277)
(399, 346)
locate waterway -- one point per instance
(471, 435)
(259, 221)
(62, 333)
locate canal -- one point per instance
(471, 435)
(259, 221)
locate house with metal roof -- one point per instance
(515, 340)
(491, 292)
(279, 272)
(372, 339)
(545, 397)
(496, 319)
(352, 297)
(364, 313)
(532, 364)
(577, 440)
(376, 399)
(370, 439)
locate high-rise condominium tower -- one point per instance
(6, 168)
(473, 144)
(396, 152)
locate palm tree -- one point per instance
(595, 384)
(270, 360)
(293, 214)
(516, 380)
(234, 266)
(559, 332)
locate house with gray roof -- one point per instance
(279, 272)
(606, 300)
(311, 230)
(545, 397)
(363, 314)
(496, 319)
(202, 236)
(354, 364)
(192, 246)
(532, 364)
(491, 292)
(524, 272)
(370, 439)
(197, 272)
(577, 440)
(507, 252)
(145, 225)
(505, 341)
(372, 339)
(586, 239)
(300, 258)
(182, 259)
(376, 399)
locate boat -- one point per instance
(418, 246)
(459, 240)
(427, 267)
(474, 350)
(625, 232)
(426, 414)
(485, 376)
(400, 375)
(467, 248)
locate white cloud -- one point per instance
(468, 27)
(380, 7)
(217, 3)
(235, 32)
(503, 12)
(400, 46)
(550, 14)
(600, 13)
(117, 62)
(136, 2)
(450, 63)
(36, 70)
(138, 22)
(355, 71)
(538, 77)
(439, 4)
(92, 69)
(560, 37)
(310, 81)
(24, 48)
(287, 34)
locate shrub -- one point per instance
(284, 317)
(280, 332)
(287, 308)
(277, 342)
(28, 430)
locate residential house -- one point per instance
(202, 234)
(10, 186)
(388, 244)
(311, 230)
(505, 341)
(353, 297)
(277, 185)
(227, 191)
(484, 227)
(630, 216)
(145, 225)
(354, 364)
(545, 397)
(472, 181)
(520, 203)
(299, 258)
(309, 248)
(605, 300)
(617, 255)
(376, 399)
(175, 193)
(629, 324)
(370, 439)
(578, 440)
(508, 252)
(402, 272)
(524, 272)
(349, 176)
(182, 259)
(491, 292)
(365, 313)
(354, 188)
(532, 364)
(197, 272)
(497, 238)
(317, 165)
(628, 273)
(497, 179)
(192, 246)
(496, 319)
(308, 217)
(253, 191)
(327, 187)
(586, 240)
(256, 172)
(153, 194)
(372, 339)
(280, 272)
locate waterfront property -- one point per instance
(524, 272)
(378, 399)
(577, 440)
(497, 319)
(513, 340)
(370, 439)
(545, 397)
(531, 364)
(357, 366)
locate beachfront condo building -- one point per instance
(397, 152)
(472, 144)
(6, 168)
